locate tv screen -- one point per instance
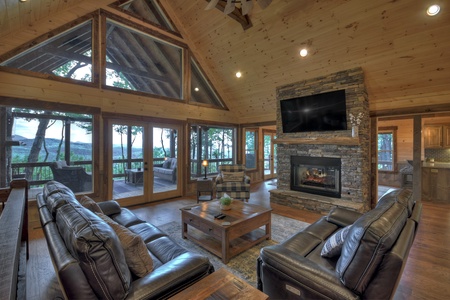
(320, 112)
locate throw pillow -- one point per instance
(60, 164)
(136, 253)
(233, 176)
(333, 245)
(166, 164)
(90, 204)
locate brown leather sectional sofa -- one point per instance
(367, 263)
(89, 259)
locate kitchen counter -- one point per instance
(436, 165)
(435, 179)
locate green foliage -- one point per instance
(226, 201)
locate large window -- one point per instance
(386, 151)
(213, 143)
(49, 145)
(137, 61)
(68, 55)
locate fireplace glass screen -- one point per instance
(316, 175)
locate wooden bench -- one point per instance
(13, 239)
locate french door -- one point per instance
(143, 162)
(270, 151)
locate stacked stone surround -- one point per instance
(355, 164)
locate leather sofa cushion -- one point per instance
(95, 245)
(148, 232)
(57, 200)
(370, 237)
(110, 207)
(125, 218)
(52, 187)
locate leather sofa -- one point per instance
(365, 263)
(89, 259)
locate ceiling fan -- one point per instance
(245, 5)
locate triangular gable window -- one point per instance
(148, 10)
(68, 55)
(142, 62)
(201, 90)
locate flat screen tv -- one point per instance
(320, 112)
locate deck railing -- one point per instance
(40, 172)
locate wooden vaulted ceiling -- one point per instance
(404, 53)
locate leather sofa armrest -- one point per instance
(158, 165)
(110, 207)
(309, 275)
(342, 217)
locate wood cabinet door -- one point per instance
(446, 136)
(426, 195)
(433, 136)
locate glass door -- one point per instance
(127, 152)
(143, 162)
(270, 151)
(166, 162)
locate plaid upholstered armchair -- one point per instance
(233, 181)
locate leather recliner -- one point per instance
(369, 265)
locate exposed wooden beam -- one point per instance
(235, 15)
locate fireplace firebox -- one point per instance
(316, 175)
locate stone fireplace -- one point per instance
(316, 175)
(346, 181)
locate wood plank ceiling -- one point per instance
(404, 53)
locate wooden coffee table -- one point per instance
(226, 241)
(220, 285)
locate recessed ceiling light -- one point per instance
(238, 74)
(433, 10)
(196, 89)
(303, 52)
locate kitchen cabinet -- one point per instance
(446, 136)
(436, 136)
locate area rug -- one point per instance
(244, 264)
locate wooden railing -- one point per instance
(13, 239)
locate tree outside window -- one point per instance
(386, 151)
(213, 143)
(45, 137)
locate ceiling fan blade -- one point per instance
(246, 7)
(229, 7)
(211, 4)
(264, 3)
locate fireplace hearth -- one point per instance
(316, 175)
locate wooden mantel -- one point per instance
(351, 141)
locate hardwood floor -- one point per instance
(426, 275)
